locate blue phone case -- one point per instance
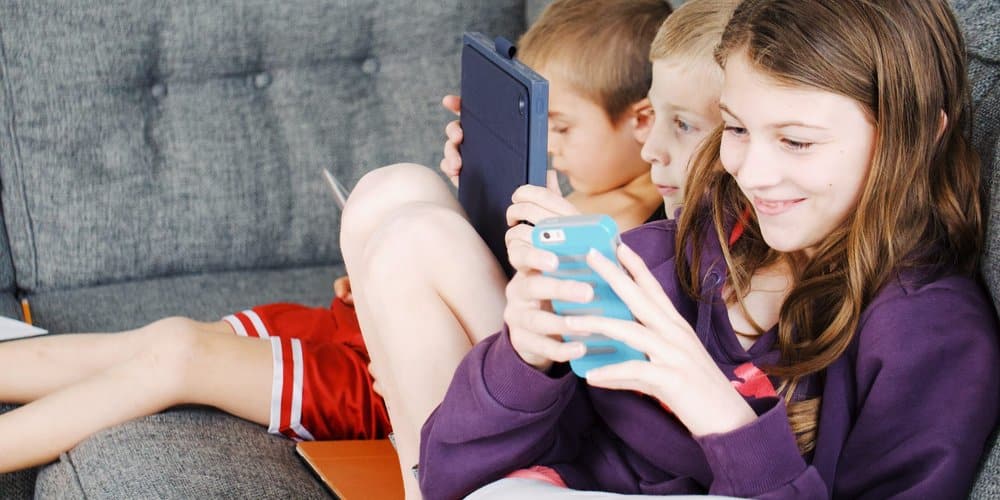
(571, 238)
(505, 123)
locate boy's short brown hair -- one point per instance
(691, 34)
(601, 47)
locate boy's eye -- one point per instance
(560, 130)
(796, 145)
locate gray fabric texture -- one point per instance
(18, 485)
(6, 265)
(9, 306)
(205, 297)
(979, 19)
(180, 454)
(156, 138)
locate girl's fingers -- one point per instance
(647, 282)
(520, 232)
(639, 376)
(534, 320)
(635, 335)
(544, 197)
(523, 256)
(642, 306)
(536, 287)
(535, 348)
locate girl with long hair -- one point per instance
(813, 322)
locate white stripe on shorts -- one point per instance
(257, 323)
(236, 324)
(277, 376)
(297, 384)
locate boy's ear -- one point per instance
(640, 117)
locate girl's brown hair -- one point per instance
(601, 47)
(904, 63)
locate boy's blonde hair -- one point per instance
(600, 47)
(692, 32)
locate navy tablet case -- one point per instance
(504, 122)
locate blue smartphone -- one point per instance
(571, 238)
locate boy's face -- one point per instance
(595, 154)
(685, 101)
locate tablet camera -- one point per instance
(522, 105)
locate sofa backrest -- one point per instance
(978, 18)
(145, 138)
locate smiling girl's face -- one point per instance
(800, 155)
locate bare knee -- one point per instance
(387, 189)
(418, 240)
(172, 348)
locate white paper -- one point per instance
(13, 329)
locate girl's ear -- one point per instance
(942, 124)
(640, 117)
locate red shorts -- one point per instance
(321, 387)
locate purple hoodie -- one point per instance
(906, 411)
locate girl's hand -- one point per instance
(342, 290)
(535, 331)
(680, 372)
(451, 164)
(533, 204)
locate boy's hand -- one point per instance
(451, 164)
(533, 204)
(342, 290)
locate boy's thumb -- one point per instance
(552, 182)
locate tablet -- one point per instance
(504, 115)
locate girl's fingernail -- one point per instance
(551, 263)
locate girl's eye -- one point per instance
(682, 125)
(737, 131)
(796, 145)
(560, 130)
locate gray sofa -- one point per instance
(162, 158)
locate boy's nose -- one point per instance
(655, 152)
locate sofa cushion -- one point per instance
(206, 297)
(181, 454)
(18, 485)
(154, 138)
(978, 19)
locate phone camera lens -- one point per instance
(546, 236)
(521, 105)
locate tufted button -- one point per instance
(261, 80)
(370, 66)
(159, 90)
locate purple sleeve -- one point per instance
(926, 400)
(498, 415)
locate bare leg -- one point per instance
(437, 289)
(37, 366)
(190, 363)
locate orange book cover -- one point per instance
(367, 469)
